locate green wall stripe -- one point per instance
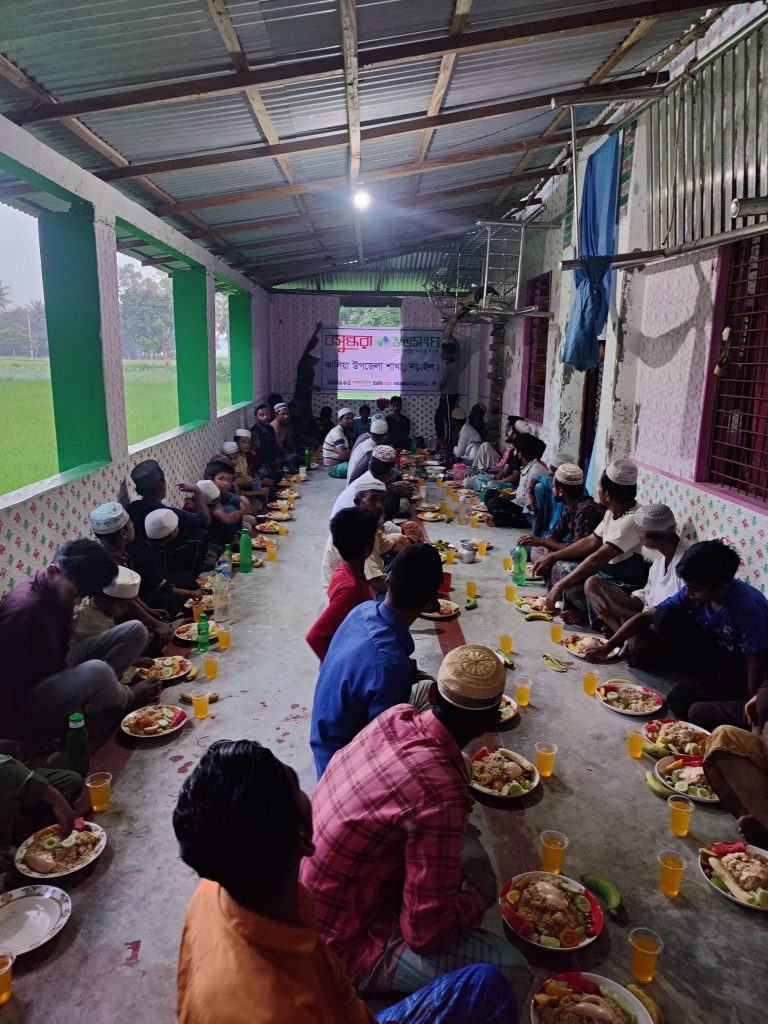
(190, 317)
(241, 347)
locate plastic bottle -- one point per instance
(220, 597)
(307, 466)
(203, 634)
(78, 756)
(246, 552)
(461, 513)
(519, 562)
(228, 556)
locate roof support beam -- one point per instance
(563, 26)
(383, 174)
(628, 88)
(348, 15)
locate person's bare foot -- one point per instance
(573, 618)
(753, 832)
(145, 692)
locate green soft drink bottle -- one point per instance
(203, 634)
(246, 552)
(78, 756)
(519, 563)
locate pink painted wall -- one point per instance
(262, 349)
(675, 327)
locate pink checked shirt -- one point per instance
(388, 818)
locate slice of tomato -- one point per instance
(581, 985)
(721, 849)
(569, 938)
(520, 924)
(482, 752)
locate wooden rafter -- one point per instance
(562, 26)
(382, 174)
(458, 21)
(348, 16)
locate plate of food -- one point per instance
(551, 911)
(31, 916)
(279, 517)
(626, 698)
(488, 545)
(684, 774)
(154, 720)
(427, 508)
(575, 997)
(188, 632)
(206, 583)
(531, 577)
(287, 492)
(443, 545)
(580, 644)
(672, 736)
(502, 773)
(480, 507)
(507, 708)
(483, 517)
(737, 871)
(206, 602)
(269, 527)
(528, 603)
(448, 610)
(167, 669)
(46, 855)
(432, 517)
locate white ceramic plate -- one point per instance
(658, 769)
(625, 998)
(727, 895)
(525, 608)
(598, 917)
(188, 632)
(625, 684)
(510, 756)
(692, 726)
(182, 664)
(126, 722)
(508, 710)
(437, 617)
(96, 851)
(32, 915)
(613, 656)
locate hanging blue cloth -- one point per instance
(589, 310)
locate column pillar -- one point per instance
(193, 348)
(241, 346)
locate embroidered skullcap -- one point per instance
(459, 413)
(378, 427)
(108, 518)
(343, 412)
(384, 453)
(160, 523)
(126, 584)
(209, 490)
(656, 519)
(471, 677)
(362, 484)
(281, 405)
(622, 472)
(560, 458)
(230, 448)
(570, 474)
(242, 432)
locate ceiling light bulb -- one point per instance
(361, 198)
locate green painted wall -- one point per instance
(190, 315)
(241, 347)
(73, 317)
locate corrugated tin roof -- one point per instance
(76, 48)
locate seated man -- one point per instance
(579, 517)
(187, 553)
(398, 426)
(324, 421)
(286, 448)
(246, 464)
(353, 532)
(657, 529)
(613, 550)
(114, 531)
(467, 439)
(369, 495)
(161, 586)
(362, 421)
(393, 902)
(714, 631)
(368, 667)
(250, 952)
(544, 506)
(360, 455)
(518, 512)
(265, 441)
(336, 446)
(736, 767)
(380, 467)
(39, 691)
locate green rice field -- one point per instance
(26, 413)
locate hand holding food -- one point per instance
(599, 653)
(64, 813)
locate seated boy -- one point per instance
(353, 532)
(232, 513)
(161, 586)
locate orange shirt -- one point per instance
(239, 967)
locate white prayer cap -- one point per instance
(242, 432)
(160, 523)
(230, 448)
(656, 519)
(108, 518)
(126, 584)
(361, 485)
(622, 472)
(210, 491)
(378, 427)
(384, 453)
(570, 474)
(281, 405)
(343, 412)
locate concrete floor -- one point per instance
(116, 959)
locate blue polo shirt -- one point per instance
(367, 669)
(741, 624)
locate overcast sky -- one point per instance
(20, 256)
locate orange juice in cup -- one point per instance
(282, 530)
(510, 591)
(589, 681)
(200, 703)
(197, 610)
(450, 557)
(482, 548)
(680, 811)
(471, 589)
(98, 785)
(6, 967)
(505, 644)
(507, 563)
(272, 554)
(225, 638)
(439, 482)
(473, 521)
(671, 871)
(523, 692)
(210, 665)
(448, 515)
(556, 632)
(635, 741)
(553, 846)
(646, 946)
(443, 507)
(545, 759)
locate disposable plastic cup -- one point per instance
(635, 741)
(646, 947)
(225, 639)
(545, 759)
(507, 563)
(510, 591)
(553, 846)
(505, 644)
(471, 589)
(671, 871)
(680, 811)
(523, 692)
(556, 632)
(482, 548)
(589, 682)
(211, 666)
(200, 703)
(6, 970)
(197, 611)
(98, 785)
